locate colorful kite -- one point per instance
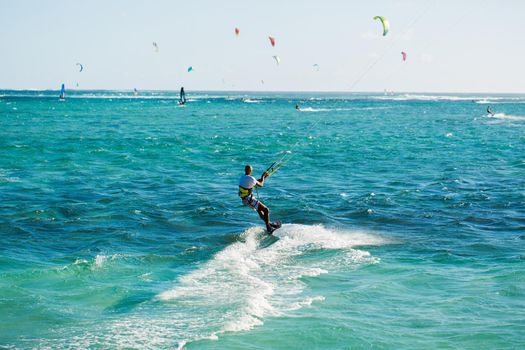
(384, 22)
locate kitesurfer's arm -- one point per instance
(260, 182)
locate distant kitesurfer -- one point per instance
(246, 186)
(489, 111)
(297, 107)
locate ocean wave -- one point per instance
(116, 96)
(477, 99)
(92, 96)
(248, 100)
(98, 262)
(228, 96)
(502, 101)
(310, 109)
(266, 281)
(5, 176)
(249, 280)
(507, 117)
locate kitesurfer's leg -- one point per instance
(264, 213)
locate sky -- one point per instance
(452, 46)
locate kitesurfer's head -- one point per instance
(248, 169)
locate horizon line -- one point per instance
(278, 91)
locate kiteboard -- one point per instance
(267, 240)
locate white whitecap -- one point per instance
(247, 282)
(507, 117)
(237, 289)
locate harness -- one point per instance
(245, 192)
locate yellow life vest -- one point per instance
(244, 192)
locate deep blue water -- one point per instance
(120, 225)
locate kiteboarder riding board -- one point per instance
(246, 185)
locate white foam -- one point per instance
(252, 282)
(423, 97)
(306, 302)
(507, 117)
(239, 287)
(78, 262)
(99, 261)
(310, 109)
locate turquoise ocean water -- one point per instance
(120, 225)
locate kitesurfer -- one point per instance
(489, 111)
(246, 185)
(297, 107)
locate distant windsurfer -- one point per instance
(489, 111)
(182, 99)
(297, 107)
(62, 96)
(246, 185)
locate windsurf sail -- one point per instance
(135, 92)
(404, 54)
(272, 40)
(62, 92)
(182, 99)
(156, 47)
(237, 31)
(277, 59)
